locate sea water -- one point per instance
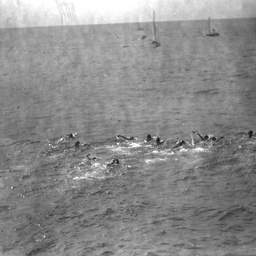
(101, 81)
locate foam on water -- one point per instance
(184, 171)
(150, 161)
(120, 149)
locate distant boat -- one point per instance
(211, 32)
(143, 37)
(139, 27)
(155, 43)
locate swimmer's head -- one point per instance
(206, 137)
(250, 133)
(149, 138)
(72, 135)
(211, 137)
(116, 160)
(77, 144)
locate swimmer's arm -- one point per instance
(201, 137)
(125, 138)
(192, 141)
(121, 136)
(177, 144)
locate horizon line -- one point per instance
(120, 23)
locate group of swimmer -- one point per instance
(78, 145)
(156, 139)
(179, 143)
(149, 138)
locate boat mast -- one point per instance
(209, 25)
(154, 27)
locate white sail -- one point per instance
(154, 41)
(154, 26)
(211, 32)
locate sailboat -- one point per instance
(139, 27)
(155, 43)
(211, 32)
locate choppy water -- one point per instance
(100, 81)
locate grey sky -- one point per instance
(23, 13)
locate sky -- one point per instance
(33, 13)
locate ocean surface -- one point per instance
(104, 80)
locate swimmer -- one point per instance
(250, 133)
(149, 138)
(114, 162)
(179, 143)
(124, 138)
(206, 137)
(78, 145)
(159, 142)
(67, 137)
(209, 137)
(203, 138)
(72, 135)
(90, 158)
